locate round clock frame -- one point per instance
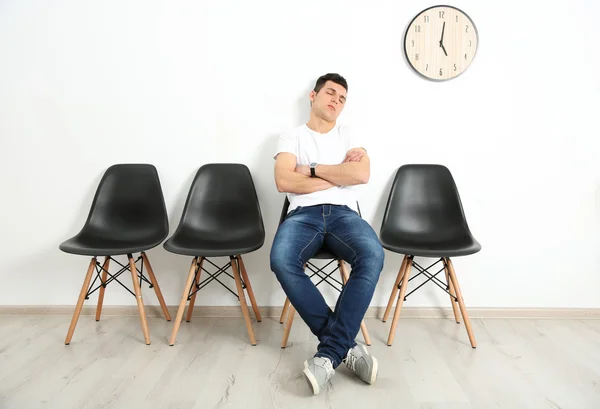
(441, 42)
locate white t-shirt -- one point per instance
(327, 149)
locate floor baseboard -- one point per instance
(271, 311)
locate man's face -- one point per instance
(329, 102)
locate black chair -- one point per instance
(424, 217)
(221, 218)
(323, 254)
(127, 216)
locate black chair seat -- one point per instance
(431, 246)
(325, 254)
(213, 244)
(221, 216)
(89, 244)
(128, 214)
(424, 215)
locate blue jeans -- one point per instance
(351, 238)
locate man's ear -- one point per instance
(312, 96)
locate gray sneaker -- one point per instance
(362, 364)
(317, 372)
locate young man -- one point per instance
(317, 165)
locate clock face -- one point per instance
(440, 43)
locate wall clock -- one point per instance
(440, 42)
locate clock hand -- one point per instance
(444, 48)
(442, 39)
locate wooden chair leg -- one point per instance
(80, 300)
(138, 298)
(395, 289)
(102, 288)
(240, 290)
(288, 326)
(286, 305)
(154, 282)
(190, 311)
(461, 303)
(451, 291)
(249, 289)
(345, 276)
(363, 328)
(184, 297)
(400, 301)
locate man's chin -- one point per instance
(329, 117)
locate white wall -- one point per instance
(85, 84)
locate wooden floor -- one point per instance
(518, 364)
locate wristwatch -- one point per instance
(312, 170)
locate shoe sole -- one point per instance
(374, 371)
(310, 379)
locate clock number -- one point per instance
(466, 28)
(469, 43)
(465, 57)
(413, 42)
(442, 14)
(457, 19)
(454, 67)
(417, 57)
(426, 19)
(440, 72)
(417, 29)
(426, 67)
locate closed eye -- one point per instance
(331, 91)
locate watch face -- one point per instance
(441, 42)
(312, 165)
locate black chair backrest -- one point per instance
(129, 201)
(284, 210)
(423, 202)
(222, 198)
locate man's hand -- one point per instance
(303, 170)
(354, 155)
(354, 170)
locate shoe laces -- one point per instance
(328, 365)
(351, 361)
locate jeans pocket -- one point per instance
(293, 212)
(351, 209)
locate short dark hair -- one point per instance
(337, 78)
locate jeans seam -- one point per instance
(345, 244)
(309, 243)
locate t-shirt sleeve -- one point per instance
(286, 143)
(353, 139)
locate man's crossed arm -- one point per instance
(354, 170)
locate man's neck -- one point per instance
(319, 124)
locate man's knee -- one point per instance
(281, 259)
(378, 255)
(371, 253)
(277, 261)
